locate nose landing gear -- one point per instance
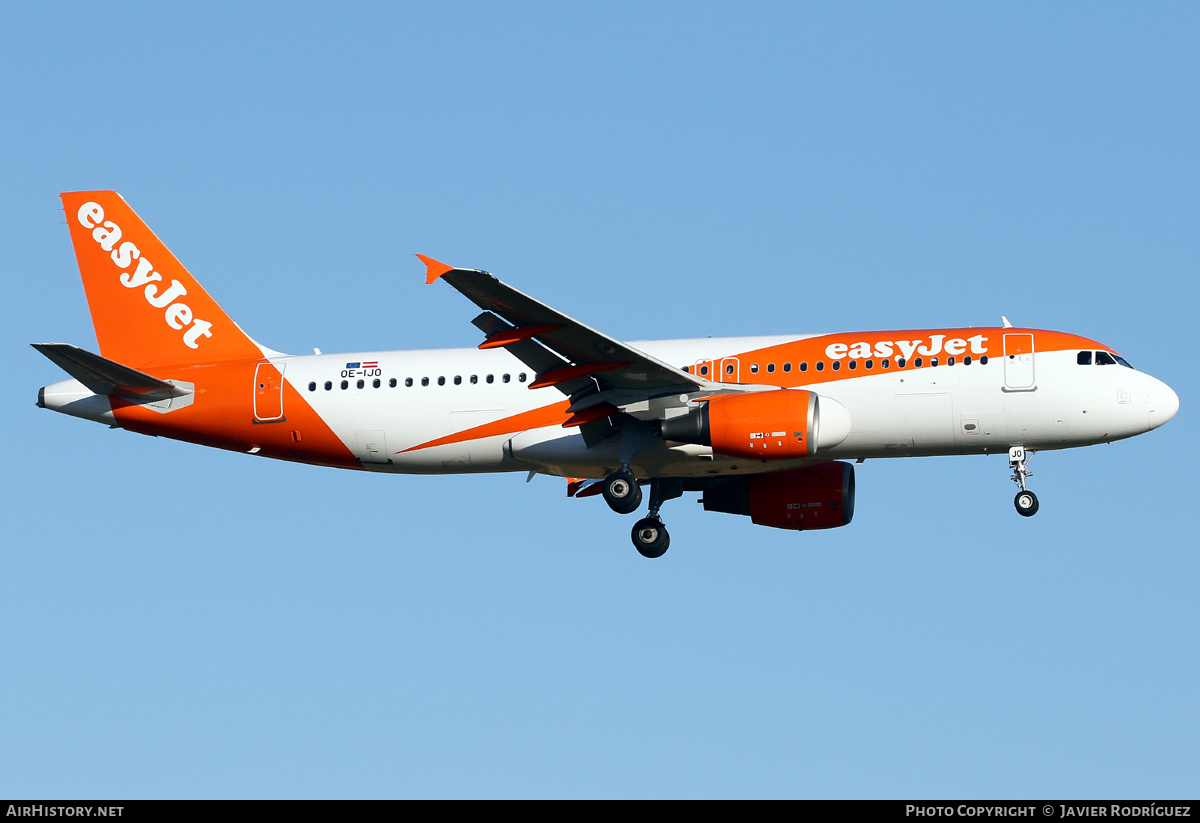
(1025, 501)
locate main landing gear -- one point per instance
(622, 492)
(1025, 501)
(623, 495)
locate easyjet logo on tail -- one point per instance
(177, 315)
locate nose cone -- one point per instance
(1164, 403)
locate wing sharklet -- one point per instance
(433, 268)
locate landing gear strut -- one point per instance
(1025, 501)
(649, 534)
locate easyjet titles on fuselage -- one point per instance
(933, 345)
(177, 315)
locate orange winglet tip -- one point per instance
(433, 268)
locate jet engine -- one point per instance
(766, 425)
(814, 497)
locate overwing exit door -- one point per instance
(730, 370)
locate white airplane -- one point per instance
(760, 426)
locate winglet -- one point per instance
(433, 269)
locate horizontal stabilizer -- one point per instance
(107, 377)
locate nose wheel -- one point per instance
(1026, 501)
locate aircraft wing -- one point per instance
(585, 364)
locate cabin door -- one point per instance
(1018, 362)
(268, 392)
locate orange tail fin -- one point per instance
(146, 307)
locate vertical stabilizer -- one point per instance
(146, 307)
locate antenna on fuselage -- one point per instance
(1007, 325)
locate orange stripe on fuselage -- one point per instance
(532, 419)
(222, 416)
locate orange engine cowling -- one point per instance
(815, 497)
(764, 425)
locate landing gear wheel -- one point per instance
(1026, 503)
(622, 492)
(650, 537)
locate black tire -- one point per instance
(622, 492)
(1026, 503)
(650, 537)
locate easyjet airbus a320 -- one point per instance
(760, 426)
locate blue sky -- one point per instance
(180, 622)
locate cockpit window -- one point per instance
(1084, 358)
(1103, 358)
(1123, 361)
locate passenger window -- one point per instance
(521, 377)
(853, 365)
(870, 364)
(328, 385)
(392, 383)
(917, 362)
(1084, 358)
(474, 379)
(424, 381)
(754, 368)
(901, 362)
(704, 371)
(885, 363)
(506, 378)
(1103, 358)
(729, 368)
(950, 360)
(408, 381)
(770, 368)
(933, 361)
(491, 378)
(787, 367)
(441, 381)
(312, 386)
(983, 360)
(345, 384)
(967, 360)
(837, 365)
(820, 365)
(458, 379)
(375, 383)
(361, 383)
(803, 366)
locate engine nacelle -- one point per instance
(815, 497)
(765, 425)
